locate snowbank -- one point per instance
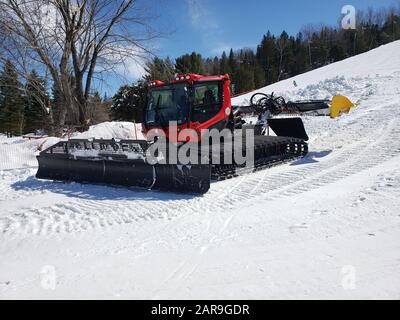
(19, 152)
(110, 130)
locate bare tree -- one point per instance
(282, 44)
(73, 41)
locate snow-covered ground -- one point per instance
(327, 226)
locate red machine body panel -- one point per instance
(222, 116)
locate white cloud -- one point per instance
(127, 62)
(221, 47)
(203, 19)
(201, 16)
(134, 68)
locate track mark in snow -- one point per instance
(351, 161)
(81, 214)
(296, 227)
(188, 266)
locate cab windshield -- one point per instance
(166, 104)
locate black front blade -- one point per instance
(124, 173)
(191, 178)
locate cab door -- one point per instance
(207, 109)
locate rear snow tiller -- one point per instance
(191, 102)
(277, 105)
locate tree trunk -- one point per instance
(81, 103)
(280, 64)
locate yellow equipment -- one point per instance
(340, 105)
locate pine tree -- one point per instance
(337, 53)
(300, 59)
(215, 66)
(208, 67)
(98, 108)
(36, 115)
(245, 79)
(192, 63)
(224, 65)
(129, 102)
(159, 69)
(232, 63)
(196, 63)
(267, 57)
(183, 64)
(259, 76)
(12, 101)
(55, 102)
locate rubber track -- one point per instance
(269, 151)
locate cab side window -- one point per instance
(207, 101)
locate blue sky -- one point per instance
(211, 26)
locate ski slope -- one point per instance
(327, 226)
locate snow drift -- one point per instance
(21, 152)
(110, 130)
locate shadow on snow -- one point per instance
(312, 157)
(96, 191)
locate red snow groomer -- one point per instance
(181, 112)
